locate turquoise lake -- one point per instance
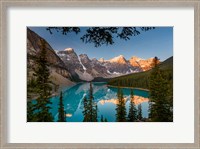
(105, 97)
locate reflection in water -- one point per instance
(68, 115)
(114, 101)
(137, 100)
(105, 97)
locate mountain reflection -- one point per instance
(105, 97)
(137, 100)
(68, 115)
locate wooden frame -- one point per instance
(5, 4)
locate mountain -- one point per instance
(84, 68)
(59, 74)
(134, 61)
(67, 67)
(72, 63)
(119, 59)
(143, 64)
(80, 66)
(141, 79)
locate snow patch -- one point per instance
(109, 72)
(61, 55)
(56, 51)
(116, 73)
(79, 105)
(81, 63)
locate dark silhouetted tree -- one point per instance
(90, 107)
(160, 109)
(103, 120)
(132, 115)
(86, 112)
(120, 107)
(31, 87)
(61, 111)
(43, 88)
(139, 112)
(31, 116)
(102, 35)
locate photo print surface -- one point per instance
(100, 74)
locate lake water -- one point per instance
(105, 97)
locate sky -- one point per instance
(157, 42)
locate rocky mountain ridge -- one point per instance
(88, 69)
(59, 73)
(67, 67)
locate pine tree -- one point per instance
(91, 98)
(61, 111)
(86, 113)
(31, 86)
(105, 120)
(159, 94)
(95, 112)
(139, 112)
(43, 87)
(102, 118)
(120, 107)
(118, 92)
(132, 115)
(31, 116)
(90, 107)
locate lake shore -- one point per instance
(128, 87)
(62, 88)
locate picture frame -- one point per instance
(6, 4)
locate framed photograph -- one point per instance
(100, 74)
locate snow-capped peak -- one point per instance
(69, 49)
(101, 59)
(119, 59)
(121, 56)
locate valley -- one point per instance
(67, 68)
